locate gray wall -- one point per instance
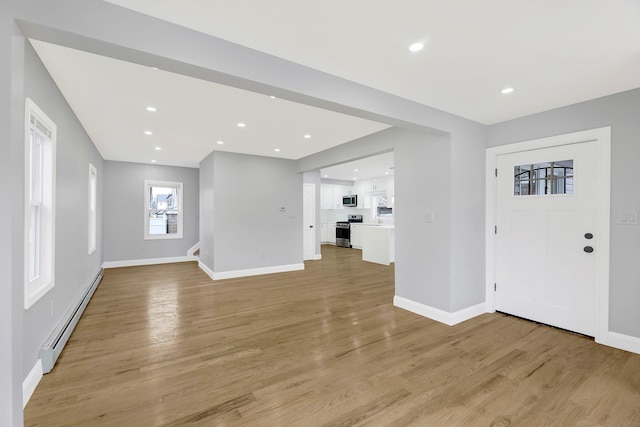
(11, 216)
(622, 113)
(247, 229)
(74, 268)
(124, 211)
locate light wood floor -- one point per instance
(164, 345)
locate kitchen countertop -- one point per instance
(373, 224)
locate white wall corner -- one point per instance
(317, 257)
(31, 382)
(440, 315)
(620, 341)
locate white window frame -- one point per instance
(39, 262)
(93, 208)
(147, 209)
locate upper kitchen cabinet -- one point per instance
(367, 191)
(331, 195)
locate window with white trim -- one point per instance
(162, 210)
(93, 205)
(40, 172)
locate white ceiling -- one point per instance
(110, 98)
(553, 53)
(367, 168)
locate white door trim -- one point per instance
(603, 137)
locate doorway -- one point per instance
(309, 221)
(548, 230)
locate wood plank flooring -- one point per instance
(165, 346)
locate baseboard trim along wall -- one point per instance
(621, 341)
(317, 257)
(149, 261)
(250, 271)
(31, 382)
(440, 315)
(192, 251)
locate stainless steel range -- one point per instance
(343, 230)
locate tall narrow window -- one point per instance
(93, 205)
(163, 210)
(40, 155)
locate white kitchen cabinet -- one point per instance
(378, 244)
(326, 196)
(331, 229)
(356, 236)
(331, 195)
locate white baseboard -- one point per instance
(193, 250)
(317, 257)
(206, 269)
(440, 315)
(621, 341)
(149, 261)
(250, 271)
(31, 382)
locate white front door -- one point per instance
(309, 221)
(546, 235)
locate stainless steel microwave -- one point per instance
(350, 200)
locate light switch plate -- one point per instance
(428, 217)
(628, 218)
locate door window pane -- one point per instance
(544, 178)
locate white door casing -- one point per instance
(309, 221)
(557, 219)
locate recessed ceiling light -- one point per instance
(416, 47)
(148, 132)
(220, 142)
(158, 148)
(154, 68)
(276, 150)
(241, 125)
(307, 136)
(153, 161)
(354, 178)
(326, 176)
(386, 173)
(506, 90)
(356, 170)
(152, 109)
(272, 97)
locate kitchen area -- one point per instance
(358, 214)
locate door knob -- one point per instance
(588, 249)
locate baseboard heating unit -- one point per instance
(55, 343)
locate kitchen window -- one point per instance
(162, 210)
(40, 175)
